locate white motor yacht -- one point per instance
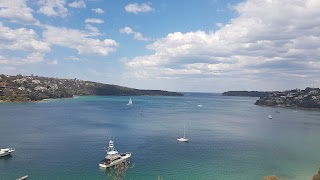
(113, 157)
(6, 151)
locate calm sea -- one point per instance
(230, 138)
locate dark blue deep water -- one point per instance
(230, 138)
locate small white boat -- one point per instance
(23, 177)
(183, 139)
(6, 151)
(130, 102)
(199, 105)
(113, 157)
(270, 117)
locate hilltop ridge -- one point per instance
(35, 88)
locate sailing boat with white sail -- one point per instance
(130, 102)
(183, 139)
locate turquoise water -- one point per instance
(230, 138)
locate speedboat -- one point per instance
(270, 117)
(6, 151)
(113, 157)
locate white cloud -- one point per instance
(94, 20)
(17, 11)
(53, 8)
(30, 59)
(21, 39)
(79, 40)
(78, 4)
(93, 30)
(220, 25)
(136, 35)
(54, 62)
(72, 58)
(98, 10)
(138, 8)
(266, 38)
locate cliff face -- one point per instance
(307, 98)
(34, 88)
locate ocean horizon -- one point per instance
(230, 138)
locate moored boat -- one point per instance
(23, 177)
(183, 139)
(6, 151)
(113, 157)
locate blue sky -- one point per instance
(176, 45)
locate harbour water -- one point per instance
(230, 138)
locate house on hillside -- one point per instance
(2, 88)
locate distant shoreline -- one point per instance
(36, 88)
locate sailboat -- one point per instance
(130, 102)
(183, 139)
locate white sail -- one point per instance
(183, 139)
(130, 102)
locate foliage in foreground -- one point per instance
(272, 178)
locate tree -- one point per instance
(272, 178)
(316, 176)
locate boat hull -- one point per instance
(6, 152)
(183, 139)
(124, 158)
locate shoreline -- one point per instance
(293, 108)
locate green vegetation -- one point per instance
(272, 178)
(246, 93)
(308, 98)
(35, 88)
(316, 176)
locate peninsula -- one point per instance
(36, 88)
(308, 98)
(247, 93)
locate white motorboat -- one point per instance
(113, 157)
(6, 151)
(183, 139)
(270, 117)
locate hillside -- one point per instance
(35, 88)
(308, 98)
(246, 93)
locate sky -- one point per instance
(175, 45)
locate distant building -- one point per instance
(35, 81)
(20, 81)
(39, 88)
(313, 92)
